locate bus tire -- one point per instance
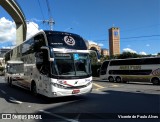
(34, 88)
(10, 82)
(111, 79)
(118, 79)
(155, 81)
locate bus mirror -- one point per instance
(44, 47)
(51, 59)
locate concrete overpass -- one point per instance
(14, 10)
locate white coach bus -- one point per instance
(135, 69)
(14, 70)
(54, 64)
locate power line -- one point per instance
(50, 21)
(140, 37)
(31, 23)
(137, 37)
(41, 9)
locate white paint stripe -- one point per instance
(58, 116)
(14, 100)
(3, 92)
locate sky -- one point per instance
(138, 20)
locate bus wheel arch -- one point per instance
(155, 80)
(111, 79)
(118, 79)
(34, 88)
(8, 80)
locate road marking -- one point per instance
(14, 100)
(116, 86)
(3, 92)
(99, 87)
(58, 116)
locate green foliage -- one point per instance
(1, 68)
(93, 57)
(125, 55)
(128, 55)
(103, 58)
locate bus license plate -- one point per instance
(75, 91)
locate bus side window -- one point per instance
(39, 42)
(42, 61)
(104, 68)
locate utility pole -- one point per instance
(50, 23)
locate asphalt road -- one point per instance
(108, 102)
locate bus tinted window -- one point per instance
(151, 61)
(143, 61)
(104, 67)
(39, 42)
(28, 47)
(130, 72)
(65, 40)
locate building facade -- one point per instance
(105, 52)
(114, 41)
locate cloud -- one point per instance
(8, 30)
(101, 45)
(32, 28)
(143, 53)
(129, 50)
(92, 42)
(147, 45)
(133, 51)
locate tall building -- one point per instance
(114, 41)
(105, 52)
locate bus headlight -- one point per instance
(88, 83)
(58, 85)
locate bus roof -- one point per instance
(135, 58)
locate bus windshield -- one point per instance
(72, 64)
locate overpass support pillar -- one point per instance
(20, 34)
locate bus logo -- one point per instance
(69, 40)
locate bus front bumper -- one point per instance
(58, 92)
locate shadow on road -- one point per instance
(26, 96)
(106, 106)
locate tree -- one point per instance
(128, 55)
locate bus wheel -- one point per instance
(10, 82)
(111, 79)
(118, 79)
(34, 89)
(155, 81)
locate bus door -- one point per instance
(103, 70)
(43, 66)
